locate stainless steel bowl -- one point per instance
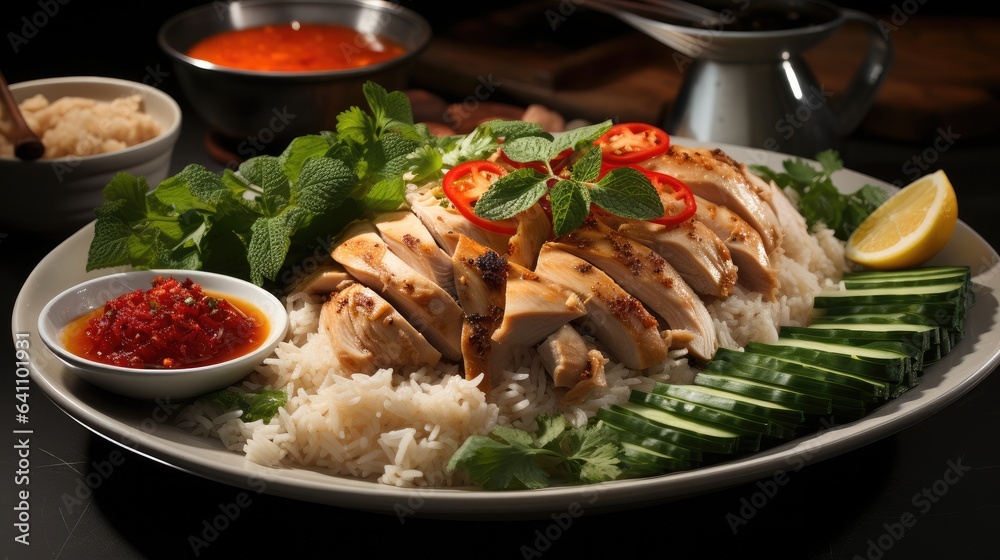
(274, 107)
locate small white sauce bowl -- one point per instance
(151, 384)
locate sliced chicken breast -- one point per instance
(753, 266)
(692, 248)
(368, 334)
(533, 229)
(534, 310)
(481, 281)
(714, 176)
(424, 304)
(614, 317)
(643, 273)
(326, 279)
(445, 223)
(408, 239)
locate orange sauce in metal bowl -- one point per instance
(296, 47)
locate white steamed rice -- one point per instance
(401, 428)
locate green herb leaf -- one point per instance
(265, 172)
(593, 453)
(588, 167)
(300, 149)
(511, 194)
(260, 405)
(570, 205)
(527, 149)
(270, 238)
(324, 183)
(513, 458)
(627, 193)
(578, 138)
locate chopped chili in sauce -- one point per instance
(296, 47)
(172, 325)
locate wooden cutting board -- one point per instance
(945, 75)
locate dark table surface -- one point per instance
(90, 498)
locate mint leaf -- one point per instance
(527, 149)
(627, 193)
(511, 194)
(511, 130)
(269, 243)
(300, 149)
(323, 183)
(265, 172)
(110, 246)
(578, 138)
(588, 167)
(570, 205)
(131, 191)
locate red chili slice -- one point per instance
(629, 143)
(465, 183)
(675, 189)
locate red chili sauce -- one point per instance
(295, 47)
(172, 325)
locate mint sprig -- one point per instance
(623, 191)
(272, 212)
(558, 451)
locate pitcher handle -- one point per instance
(860, 94)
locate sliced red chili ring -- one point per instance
(629, 143)
(675, 191)
(465, 183)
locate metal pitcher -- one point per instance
(753, 88)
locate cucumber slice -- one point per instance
(732, 402)
(922, 293)
(679, 452)
(671, 428)
(881, 365)
(869, 390)
(641, 461)
(809, 404)
(738, 424)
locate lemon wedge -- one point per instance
(909, 228)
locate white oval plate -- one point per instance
(143, 426)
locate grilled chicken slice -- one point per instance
(425, 304)
(714, 176)
(694, 250)
(753, 265)
(643, 273)
(445, 223)
(533, 229)
(326, 279)
(366, 333)
(481, 281)
(535, 309)
(615, 318)
(409, 240)
(573, 363)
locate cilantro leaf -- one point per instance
(511, 458)
(816, 197)
(259, 405)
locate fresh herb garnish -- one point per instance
(268, 215)
(623, 191)
(261, 405)
(818, 200)
(510, 458)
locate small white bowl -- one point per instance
(151, 384)
(59, 195)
